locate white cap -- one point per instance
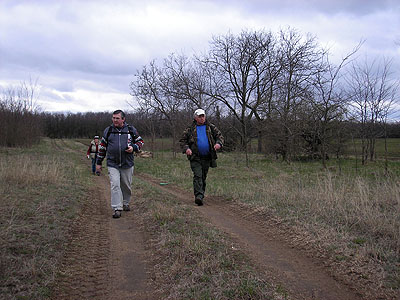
(199, 112)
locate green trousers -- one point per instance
(200, 168)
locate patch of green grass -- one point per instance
(359, 241)
(282, 291)
(393, 148)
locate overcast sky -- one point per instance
(85, 53)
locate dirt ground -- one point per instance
(106, 258)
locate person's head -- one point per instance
(118, 118)
(199, 116)
(96, 138)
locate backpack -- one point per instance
(109, 131)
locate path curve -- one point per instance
(106, 258)
(297, 273)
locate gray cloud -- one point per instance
(97, 46)
(328, 7)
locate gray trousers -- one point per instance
(121, 182)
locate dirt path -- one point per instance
(85, 267)
(300, 275)
(106, 258)
(128, 261)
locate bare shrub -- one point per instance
(20, 123)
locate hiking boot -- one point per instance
(126, 207)
(117, 214)
(198, 201)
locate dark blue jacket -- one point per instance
(114, 143)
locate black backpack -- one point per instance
(110, 130)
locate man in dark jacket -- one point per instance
(200, 142)
(119, 141)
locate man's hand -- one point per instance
(188, 151)
(87, 156)
(129, 149)
(98, 169)
(217, 147)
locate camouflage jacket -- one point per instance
(189, 139)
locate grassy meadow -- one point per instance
(348, 211)
(393, 148)
(41, 192)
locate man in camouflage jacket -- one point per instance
(200, 142)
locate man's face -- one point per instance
(200, 119)
(117, 120)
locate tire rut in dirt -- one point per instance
(130, 274)
(84, 273)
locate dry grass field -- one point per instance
(347, 213)
(36, 211)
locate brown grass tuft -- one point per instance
(27, 170)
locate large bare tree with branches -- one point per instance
(155, 89)
(241, 71)
(300, 59)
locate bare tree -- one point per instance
(239, 69)
(267, 70)
(154, 89)
(147, 119)
(300, 59)
(372, 92)
(189, 81)
(328, 104)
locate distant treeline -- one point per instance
(21, 128)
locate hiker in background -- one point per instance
(200, 142)
(92, 153)
(118, 143)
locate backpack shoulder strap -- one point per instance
(108, 132)
(131, 131)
